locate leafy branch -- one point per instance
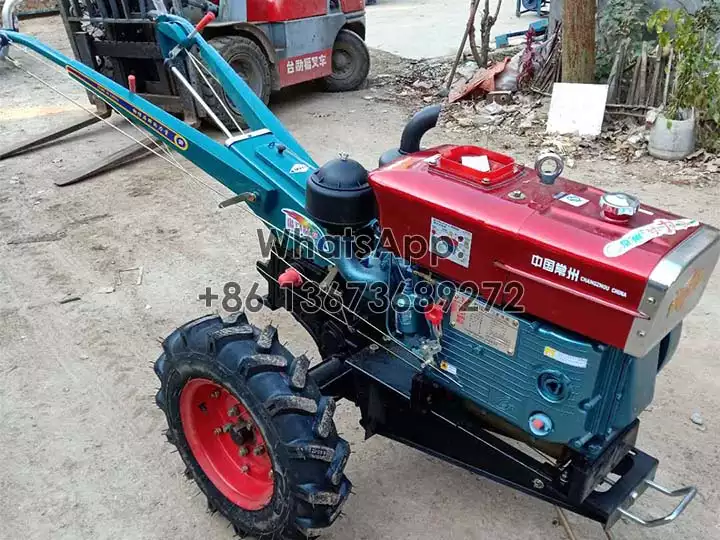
(693, 37)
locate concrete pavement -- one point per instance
(429, 28)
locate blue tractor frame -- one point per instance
(267, 168)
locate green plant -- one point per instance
(694, 40)
(619, 20)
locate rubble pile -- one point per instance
(623, 139)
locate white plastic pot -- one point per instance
(672, 139)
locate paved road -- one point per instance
(429, 28)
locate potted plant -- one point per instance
(693, 104)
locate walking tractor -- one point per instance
(500, 317)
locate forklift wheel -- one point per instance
(250, 62)
(350, 63)
(252, 427)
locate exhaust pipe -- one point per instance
(419, 124)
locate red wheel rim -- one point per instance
(227, 443)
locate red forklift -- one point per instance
(277, 43)
(271, 44)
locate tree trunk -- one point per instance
(578, 44)
(486, 23)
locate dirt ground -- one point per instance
(81, 449)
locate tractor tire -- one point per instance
(254, 431)
(350, 63)
(251, 63)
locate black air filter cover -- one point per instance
(338, 195)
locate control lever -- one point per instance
(207, 19)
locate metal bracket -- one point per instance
(247, 196)
(244, 136)
(687, 493)
(329, 278)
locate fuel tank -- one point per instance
(603, 265)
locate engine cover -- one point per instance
(555, 385)
(621, 280)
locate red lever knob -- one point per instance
(131, 83)
(290, 278)
(207, 19)
(435, 314)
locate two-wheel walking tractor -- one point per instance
(500, 317)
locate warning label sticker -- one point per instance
(570, 360)
(450, 242)
(492, 327)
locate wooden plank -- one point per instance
(641, 94)
(652, 96)
(616, 72)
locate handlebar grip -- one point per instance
(207, 19)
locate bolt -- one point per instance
(538, 484)
(374, 347)
(232, 411)
(245, 469)
(641, 333)
(215, 394)
(485, 181)
(651, 299)
(259, 450)
(217, 431)
(227, 427)
(515, 323)
(243, 451)
(270, 474)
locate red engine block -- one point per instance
(624, 280)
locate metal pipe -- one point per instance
(420, 123)
(201, 101)
(7, 14)
(8, 23)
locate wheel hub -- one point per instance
(227, 443)
(341, 62)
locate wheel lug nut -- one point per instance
(227, 427)
(243, 451)
(217, 431)
(245, 469)
(259, 450)
(232, 411)
(215, 394)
